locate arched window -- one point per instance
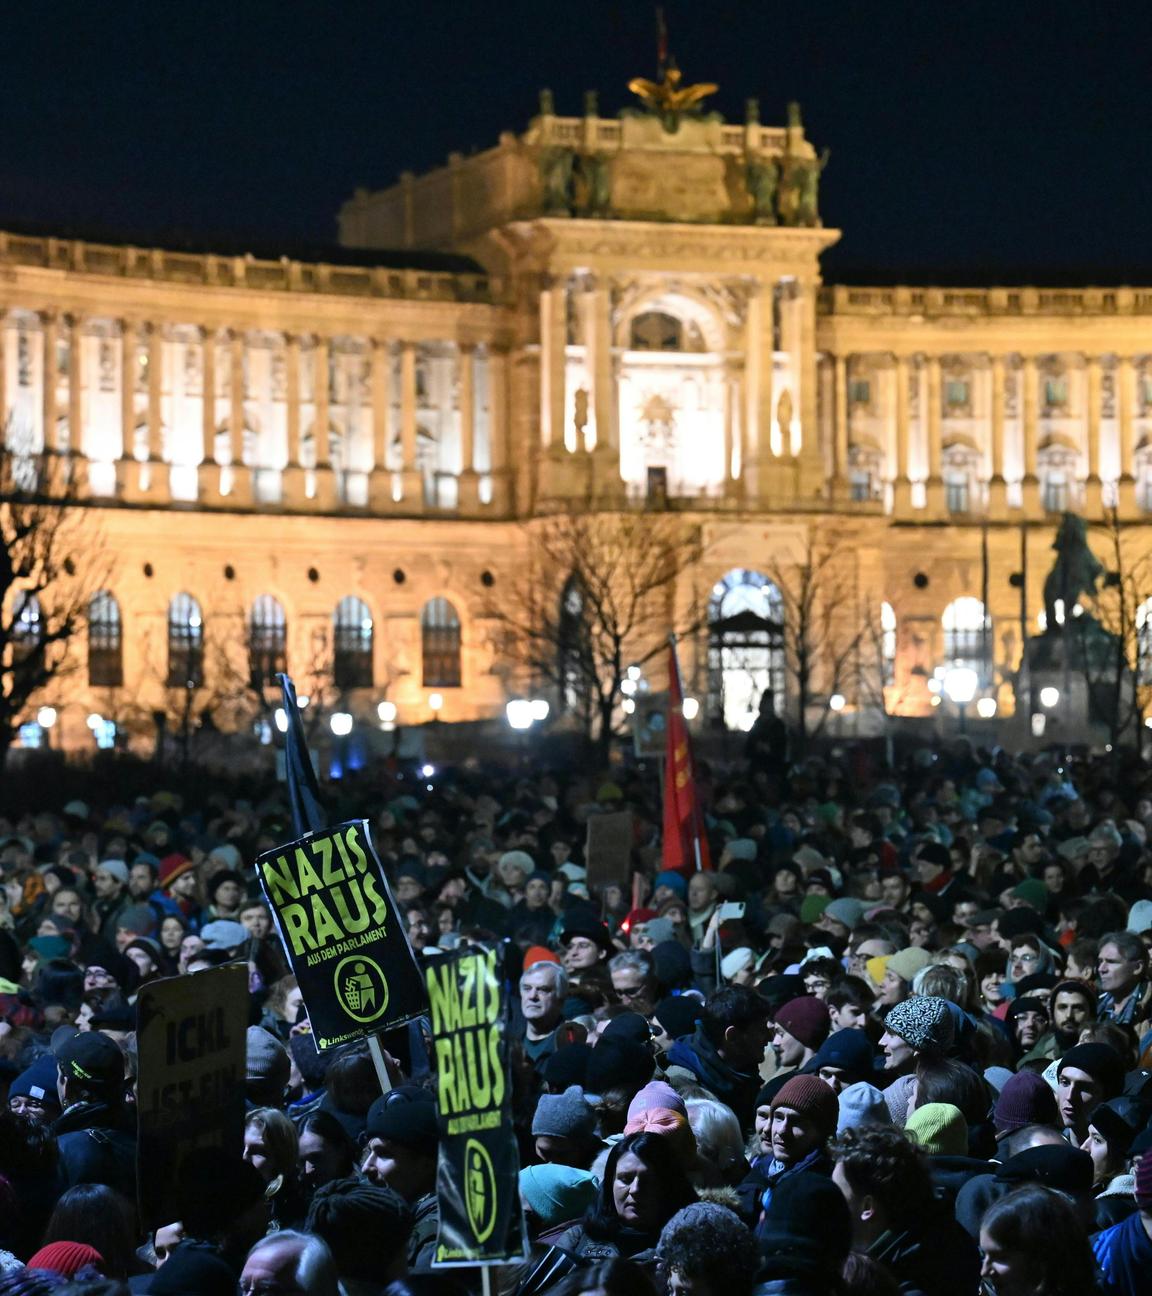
(440, 644)
(657, 331)
(267, 641)
(185, 643)
(105, 642)
(864, 474)
(27, 629)
(966, 629)
(352, 656)
(888, 641)
(745, 646)
(959, 467)
(1056, 465)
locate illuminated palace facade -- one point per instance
(287, 461)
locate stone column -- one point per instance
(126, 473)
(1093, 502)
(809, 481)
(75, 387)
(553, 363)
(155, 405)
(935, 436)
(380, 483)
(902, 484)
(603, 394)
(498, 429)
(731, 406)
(321, 378)
(752, 430)
(48, 327)
(412, 486)
(292, 490)
(840, 436)
(241, 492)
(997, 499)
(1126, 486)
(1030, 484)
(468, 485)
(209, 474)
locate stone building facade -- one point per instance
(335, 466)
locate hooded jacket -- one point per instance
(738, 1089)
(1124, 1256)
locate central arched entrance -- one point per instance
(745, 647)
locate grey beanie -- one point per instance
(268, 1061)
(564, 1115)
(862, 1104)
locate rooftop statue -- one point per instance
(667, 98)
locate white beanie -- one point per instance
(740, 960)
(1140, 916)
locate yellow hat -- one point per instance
(877, 967)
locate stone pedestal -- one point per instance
(412, 491)
(902, 497)
(240, 494)
(1126, 497)
(997, 500)
(934, 503)
(468, 491)
(1093, 499)
(325, 500)
(1030, 497)
(293, 487)
(208, 483)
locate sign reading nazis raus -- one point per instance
(477, 1180)
(339, 924)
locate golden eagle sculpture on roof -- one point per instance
(667, 98)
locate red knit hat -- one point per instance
(538, 954)
(1143, 1189)
(172, 867)
(806, 1019)
(66, 1258)
(810, 1096)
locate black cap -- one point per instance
(407, 1116)
(1054, 1165)
(586, 924)
(92, 1059)
(193, 1269)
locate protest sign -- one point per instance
(343, 935)
(650, 724)
(608, 849)
(477, 1179)
(191, 1038)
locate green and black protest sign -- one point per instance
(477, 1179)
(191, 1039)
(340, 927)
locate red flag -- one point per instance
(685, 846)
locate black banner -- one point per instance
(191, 1039)
(343, 935)
(477, 1179)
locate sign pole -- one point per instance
(378, 1062)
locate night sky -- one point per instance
(979, 141)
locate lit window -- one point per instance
(440, 642)
(965, 631)
(185, 643)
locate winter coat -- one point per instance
(422, 1239)
(697, 1055)
(1124, 1256)
(95, 1146)
(936, 1258)
(754, 1191)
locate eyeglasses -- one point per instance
(1026, 957)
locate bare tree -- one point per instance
(599, 592)
(826, 628)
(47, 577)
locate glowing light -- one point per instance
(341, 724)
(428, 770)
(540, 708)
(387, 712)
(519, 714)
(1049, 697)
(95, 720)
(935, 699)
(691, 708)
(628, 687)
(46, 717)
(961, 683)
(281, 718)
(628, 706)
(302, 702)
(837, 702)
(634, 672)
(986, 708)
(934, 685)
(435, 701)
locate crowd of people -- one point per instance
(897, 1038)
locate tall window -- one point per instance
(105, 642)
(888, 641)
(27, 630)
(185, 643)
(1057, 468)
(440, 642)
(745, 647)
(352, 658)
(267, 641)
(965, 630)
(959, 468)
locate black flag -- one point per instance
(303, 790)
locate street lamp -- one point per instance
(387, 711)
(46, 718)
(281, 718)
(519, 714)
(540, 709)
(960, 684)
(435, 703)
(691, 708)
(1049, 697)
(837, 702)
(986, 708)
(341, 724)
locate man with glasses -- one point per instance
(634, 981)
(289, 1264)
(33, 1093)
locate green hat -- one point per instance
(812, 906)
(1033, 892)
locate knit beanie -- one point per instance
(805, 1019)
(1026, 1099)
(861, 1104)
(173, 867)
(678, 1014)
(897, 1098)
(1100, 1061)
(193, 1267)
(268, 1061)
(908, 962)
(923, 1022)
(538, 954)
(564, 1115)
(66, 1258)
(405, 1115)
(557, 1193)
(568, 1066)
(630, 1026)
(1143, 1190)
(847, 910)
(659, 930)
(810, 1096)
(672, 965)
(619, 1064)
(365, 1226)
(940, 1129)
(1118, 1121)
(657, 1095)
(669, 1124)
(812, 906)
(38, 1081)
(114, 868)
(849, 1051)
(673, 881)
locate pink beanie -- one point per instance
(669, 1124)
(655, 1095)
